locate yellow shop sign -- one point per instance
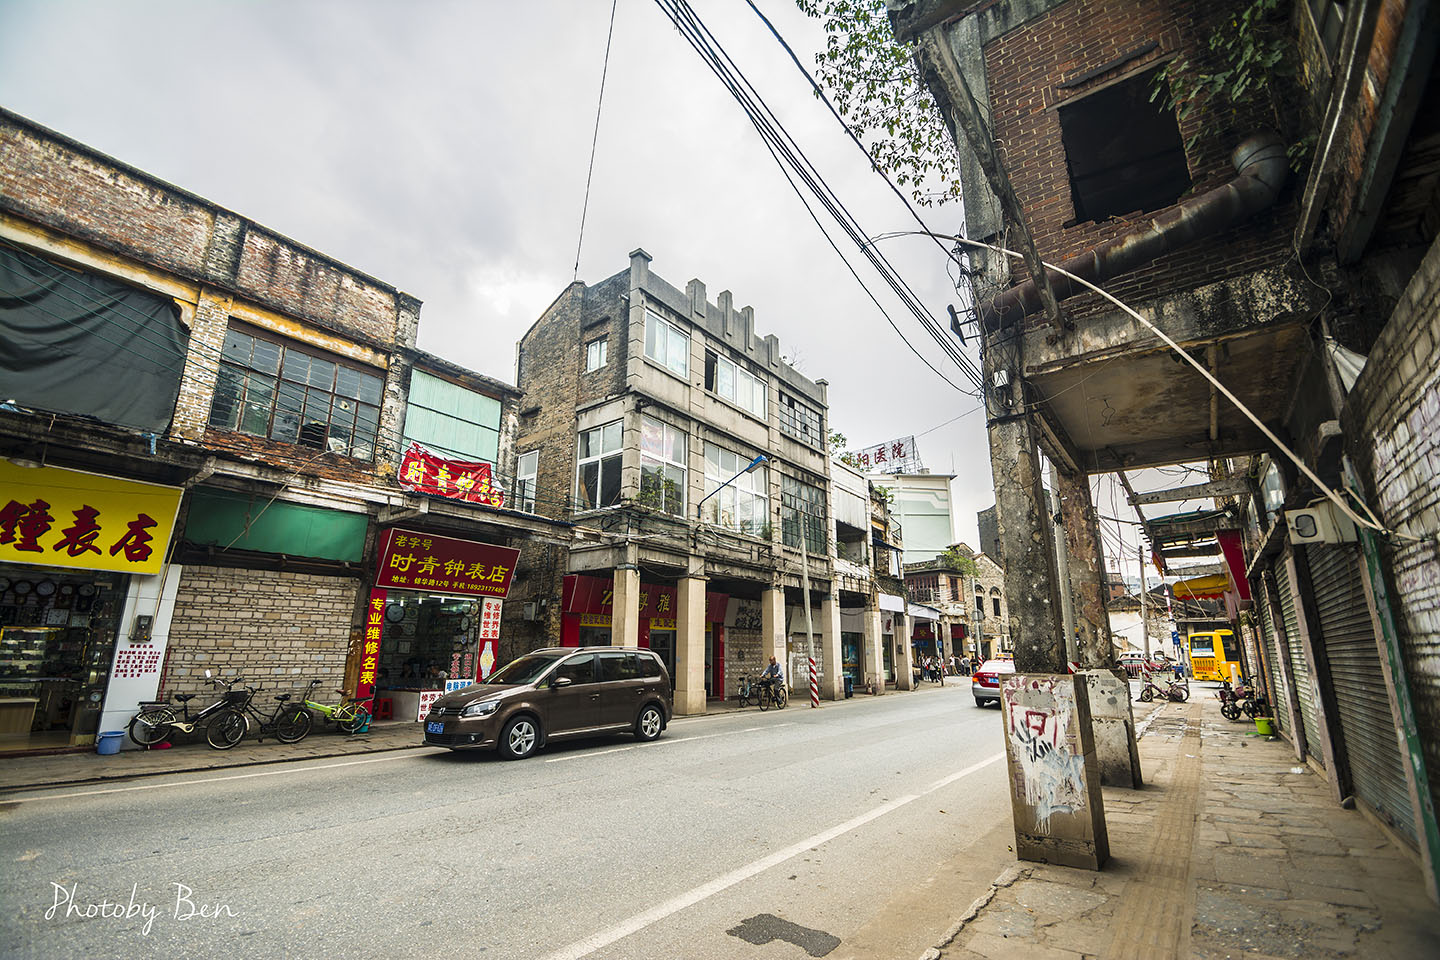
(66, 518)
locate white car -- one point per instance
(985, 682)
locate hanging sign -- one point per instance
(55, 517)
(426, 472)
(370, 649)
(462, 568)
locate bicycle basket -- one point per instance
(236, 696)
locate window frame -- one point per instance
(673, 332)
(599, 346)
(814, 534)
(744, 488)
(607, 459)
(303, 391)
(664, 462)
(525, 481)
(791, 422)
(758, 386)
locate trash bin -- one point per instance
(849, 686)
(109, 742)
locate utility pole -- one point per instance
(1062, 564)
(809, 626)
(1144, 601)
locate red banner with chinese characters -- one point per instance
(425, 472)
(582, 594)
(462, 568)
(370, 650)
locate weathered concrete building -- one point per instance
(693, 461)
(1278, 314)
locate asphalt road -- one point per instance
(862, 829)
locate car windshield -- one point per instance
(524, 670)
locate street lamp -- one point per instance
(750, 468)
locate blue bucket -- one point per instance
(109, 742)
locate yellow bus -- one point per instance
(1213, 653)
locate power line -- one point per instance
(595, 140)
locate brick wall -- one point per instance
(278, 630)
(1025, 68)
(1392, 422)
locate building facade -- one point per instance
(923, 503)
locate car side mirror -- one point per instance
(561, 682)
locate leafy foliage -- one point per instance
(1248, 54)
(955, 560)
(837, 450)
(874, 84)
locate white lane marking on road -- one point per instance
(188, 783)
(661, 743)
(623, 929)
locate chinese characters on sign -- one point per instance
(592, 597)
(66, 518)
(424, 472)
(137, 661)
(424, 561)
(427, 700)
(897, 456)
(370, 645)
(489, 638)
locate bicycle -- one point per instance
(1177, 690)
(746, 691)
(350, 715)
(289, 723)
(157, 720)
(773, 693)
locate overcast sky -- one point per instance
(442, 147)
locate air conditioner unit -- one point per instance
(532, 610)
(1319, 523)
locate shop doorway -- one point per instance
(427, 640)
(594, 636)
(663, 643)
(57, 644)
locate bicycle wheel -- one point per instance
(1256, 707)
(1179, 694)
(149, 727)
(351, 717)
(227, 728)
(781, 697)
(765, 697)
(1147, 693)
(293, 724)
(1230, 710)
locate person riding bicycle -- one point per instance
(772, 675)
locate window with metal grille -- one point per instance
(268, 388)
(798, 420)
(802, 512)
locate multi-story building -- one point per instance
(975, 618)
(692, 460)
(922, 501)
(202, 426)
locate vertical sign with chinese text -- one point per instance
(370, 649)
(489, 636)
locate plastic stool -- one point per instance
(384, 708)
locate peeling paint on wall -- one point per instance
(1049, 767)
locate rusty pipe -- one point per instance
(1261, 167)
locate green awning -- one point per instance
(230, 520)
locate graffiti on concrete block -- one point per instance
(1050, 769)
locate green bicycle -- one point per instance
(350, 715)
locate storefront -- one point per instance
(587, 620)
(73, 547)
(434, 619)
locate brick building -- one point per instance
(1286, 241)
(223, 410)
(644, 404)
(976, 614)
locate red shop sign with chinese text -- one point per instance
(582, 594)
(462, 568)
(370, 651)
(424, 472)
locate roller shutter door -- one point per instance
(1270, 643)
(1299, 668)
(1372, 749)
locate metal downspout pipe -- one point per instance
(1261, 167)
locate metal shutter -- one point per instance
(1299, 668)
(1371, 745)
(1270, 642)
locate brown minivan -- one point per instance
(553, 694)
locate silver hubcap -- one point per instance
(522, 738)
(650, 723)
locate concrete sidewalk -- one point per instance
(1231, 850)
(194, 755)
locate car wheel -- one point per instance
(979, 702)
(519, 738)
(651, 722)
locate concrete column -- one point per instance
(873, 657)
(904, 654)
(1087, 571)
(832, 684)
(690, 647)
(772, 628)
(625, 607)
(1112, 720)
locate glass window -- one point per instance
(1272, 490)
(597, 480)
(266, 388)
(579, 669)
(662, 466)
(667, 344)
(735, 383)
(802, 511)
(595, 352)
(798, 420)
(995, 602)
(619, 666)
(525, 472)
(744, 505)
